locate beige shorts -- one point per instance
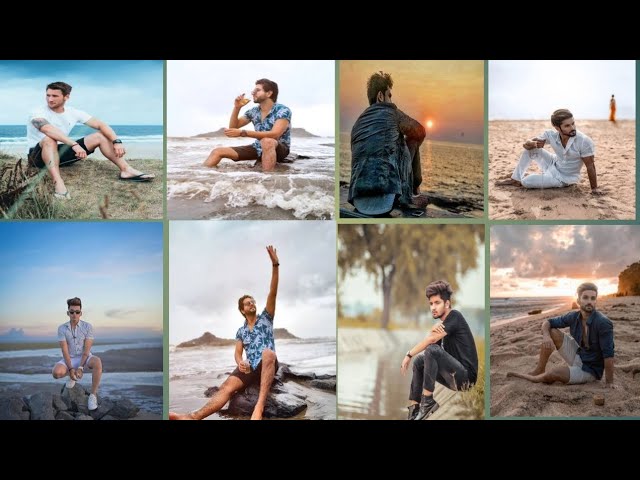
(569, 352)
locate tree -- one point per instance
(404, 259)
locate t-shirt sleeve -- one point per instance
(36, 113)
(89, 331)
(283, 113)
(239, 334)
(587, 148)
(61, 336)
(249, 114)
(544, 135)
(82, 116)
(562, 321)
(267, 316)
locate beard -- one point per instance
(587, 308)
(572, 133)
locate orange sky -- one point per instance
(449, 93)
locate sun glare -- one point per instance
(429, 124)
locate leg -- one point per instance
(417, 379)
(439, 365)
(95, 364)
(98, 140)
(230, 386)
(558, 374)
(268, 154)
(544, 180)
(51, 159)
(558, 338)
(60, 371)
(266, 378)
(218, 154)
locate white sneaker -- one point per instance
(71, 383)
(93, 402)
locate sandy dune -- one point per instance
(615, 165)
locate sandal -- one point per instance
(64, 196)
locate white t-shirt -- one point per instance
(65, 121)
(568, 159)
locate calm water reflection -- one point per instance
(370, 385)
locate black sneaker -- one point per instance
(427, 406)
(413, 411)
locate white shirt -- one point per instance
(568, 161)
(65, 121)
(75, 337)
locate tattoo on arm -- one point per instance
(39, 123)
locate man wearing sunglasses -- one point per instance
(255, 337)
(587, 349)
(272, 129)
(76, 339)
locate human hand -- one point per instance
(244, 367)
(232, 132)
(240, 101)
(79, 373)
(72, 374)
(119, 150)
(438, 328)
(273, 255)
(79, 151)
(538, 143)
(405, 364)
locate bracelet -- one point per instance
(276, 264)
(75, 144)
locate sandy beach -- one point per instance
(615, 161)
(515, 346)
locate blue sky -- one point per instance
(120, 92)
(212, 264)
(115, 268)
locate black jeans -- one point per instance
(436, 365)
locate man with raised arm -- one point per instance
(255, 339)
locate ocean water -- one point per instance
(235, 190)
(147, 140)
(448, 168)
(517, 307)
(193, 370)
(95, 349)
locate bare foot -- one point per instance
(180, 416)
(535, 372)
(257, 412)
(508, 182)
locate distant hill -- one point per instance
(629, 280)
(295, 132)
(283, 334)
(207, 340)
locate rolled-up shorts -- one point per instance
(249, 152)
(75, 361)
(66, 153)
(569, 352)
(251, 377)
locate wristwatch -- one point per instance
(243, 133)
(409, 354)
(117, 140)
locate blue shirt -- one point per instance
(277, 112)
(600, 341)
(256, 340)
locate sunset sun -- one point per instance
(429, 124)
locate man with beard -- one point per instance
(272, 124)
(572, 149)
(450, 356)
(588, 350)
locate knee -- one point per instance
(59, 372)
(526, 182)
(98, 137)
(418, 362)
(432, 350)
(96, 364)
(48, 142)
(268, 143)
(268, 356)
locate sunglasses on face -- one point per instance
(75, 312)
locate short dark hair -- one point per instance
(241, 303)
(65, 88)
(269, 86)
(75, 301)
(560, 116)
(440, 287)
(586, 286)
(378, 82)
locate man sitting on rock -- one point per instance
(256, 338)
(76, 339)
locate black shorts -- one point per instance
(66, 153)
(249, 152)
(252, 377)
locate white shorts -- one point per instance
(75, 361)
(569, 352)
